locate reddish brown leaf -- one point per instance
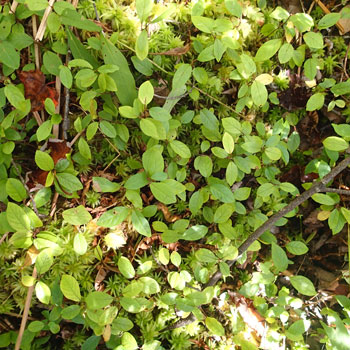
(36, 90)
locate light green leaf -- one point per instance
(79, 244)
(43, 292)
(303, 285)
(314, 40)
(140, 223)
(15, 189)
(17, 218)
(125, 267)
(70, 288)
(259, 93)
(334, 143)
(153, 128)
(215, 326)
(279, 257)
(143, 9)
(181, 76)
(146, 92)
(180, 148)
(77, 216)
(141, 46)
(267, 50)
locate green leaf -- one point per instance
(296, 330)
(204, 164)
(108, 129)
(329, 20)
(204, 24)
(70, 312)
(180, 148)
(44, 130)
(8, 55)
(341, 88)
(66, 77)
(36, 326)
(219, 49)
(302, 21)
(150, 286)
(316, 101)
(124, 80)
(152, 161)
(222, 193)
(324, 199)
(122, 324)
(125, 267)
(44, 261)
(195, 233)
(285, 53)
(77, 216)
(70, 288)
(15, 189)
(14, 95)
(206, 256)
(279, 257)
(43, 292)
(79, 244)
(84, 148)
(181, 76)
(259, 93)
(297, 248)
(303, 285)
(17, 218)
(128, 340)
(234, 7)
(215, 326)
(101, 184)
(153, 128)
(79, 51)
(98, 300)
(273, 153)
(146, 92)
(71, 17)
(52, 63)
(44, 161)
(69, 182)
(314, 40)
(143, 9)
(91, 343)
(267, 50)
(231, 173)
(334, 143)
(265, 190)
(140, 223)
(141, 46)
(113, 217)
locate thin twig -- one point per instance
(25, 312)
(218, 101)
(37, 118)
(346, 61)
(316, 188)
(14, 7)
(54, 204)
(4, 237)
(26, 187)
(36, 46)
(75, 138)
(337, 190)
(41, 31)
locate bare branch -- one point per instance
(316, 188)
